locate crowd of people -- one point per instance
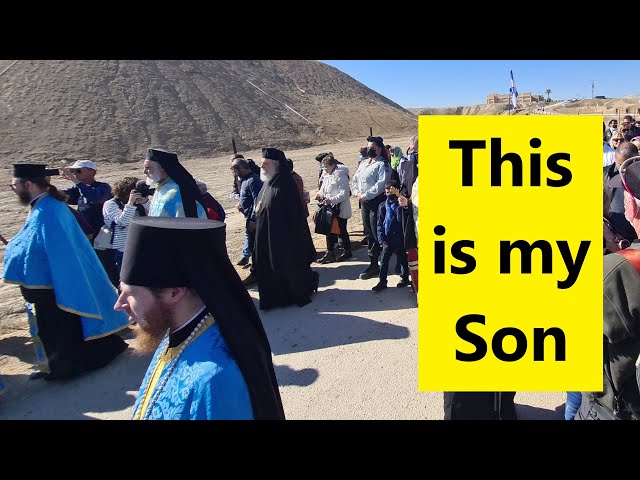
(164, 270)
(148, 256)
(620, 397)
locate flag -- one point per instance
(513, 91)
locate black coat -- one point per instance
(284, 250)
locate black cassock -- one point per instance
(284, 250)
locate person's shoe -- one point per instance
(403, 283)
(345, 255)
(379, 286)
(243, 261)
(316, 281)
(370, 272)
(329, 257)
(37, 375)
(250, 280)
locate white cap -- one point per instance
(84, 164)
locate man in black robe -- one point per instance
(284, 250)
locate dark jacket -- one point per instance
(392, 232)
(614, 197)
(621, 334)
(249, 190)
(90, 199)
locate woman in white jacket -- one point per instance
(334, 190)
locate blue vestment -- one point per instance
(167, 201)
(204, 383)
(51, 252)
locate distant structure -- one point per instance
(526, 97)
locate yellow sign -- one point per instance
(510, 253)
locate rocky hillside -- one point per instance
(111, 110)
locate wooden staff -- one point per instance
(370, 132)
(233, 142)
(4, 240)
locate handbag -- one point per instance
(104, 239)
(323, 218)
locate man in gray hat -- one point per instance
(87, 193)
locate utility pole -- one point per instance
(593, 89)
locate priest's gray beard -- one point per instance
(153, 327)
(265, 176)
(153, 180)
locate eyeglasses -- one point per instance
(13, 186)
(75, 170)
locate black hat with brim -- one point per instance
(33, 170)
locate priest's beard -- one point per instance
(266, 176)
(153, 179)
(153, 327)
(24, 197)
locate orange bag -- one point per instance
(335, 228)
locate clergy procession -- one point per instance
(149, 257)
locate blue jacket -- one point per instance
(390, 224)
(249, 190)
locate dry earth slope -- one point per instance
(112, 110)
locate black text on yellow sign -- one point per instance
(510, 253)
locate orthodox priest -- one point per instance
(176, 193)
(212, 357)
(67, 293)
(284, 250)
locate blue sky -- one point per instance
(449, 83)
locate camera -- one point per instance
(143, 189)
(624, 243)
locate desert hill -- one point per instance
(111, 110)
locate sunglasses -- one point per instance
(75, 170)
(617, 140)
